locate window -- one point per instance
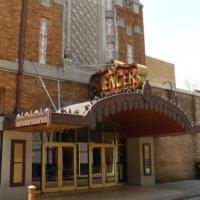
(120, 3)
(133, 5)
(17, 173)
(109, 5)
(136, 8)
(43, 40)
(137, 29)
(45, 2)
(109, 27)
(110, 52)
(120, 22)
(147, 159)
(129, 30)
(129, 54)
(128, 3)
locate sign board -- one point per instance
(115, 78)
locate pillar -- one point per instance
(140, 161)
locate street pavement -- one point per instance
(183, 190)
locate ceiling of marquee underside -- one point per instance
(140, 122)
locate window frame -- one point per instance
(136, 8)
(120, 22)
(43, 41)
(46, 4)
(137, 29)
(129, 30)
(109, 4)
(110, 27)
(12, 162)
(110, 51)
(130, 56)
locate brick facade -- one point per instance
(9, 33)
(8, 92)
(131, 19)
(53, 14)
(34, 96)
(175, 157)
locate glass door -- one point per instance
(58, 167)
(110, 165)
(96, 167)
(50, 168)
(68, 166)
(102, 165)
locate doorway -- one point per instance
(58, 167)
(102, 165)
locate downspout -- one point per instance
(21, 49)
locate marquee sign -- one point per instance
(115, 78)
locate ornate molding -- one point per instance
(143, 99)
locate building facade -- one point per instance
(58, 135)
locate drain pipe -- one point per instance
(21, 48)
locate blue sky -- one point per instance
(172, 33)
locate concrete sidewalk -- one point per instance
(169, 191)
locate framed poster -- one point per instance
(147, 159)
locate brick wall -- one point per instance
(175, 157)
(131, 19)
(33, 95)
(9, 32)
(54, 44)
(8, 88)
(160, 71)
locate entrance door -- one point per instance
(68, 167)
(110, 165)
(102, 165)
(58, 167)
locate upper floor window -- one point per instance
(109, 27)
(45, 2)
(129, 30)
(109, 5)
(128, 3)
(120, 3)
(110, 51)
(136, 8)
(133, 4)
(120, 22)
(137, 29)
(129, 54)
(43, 40)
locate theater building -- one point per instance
(82, 106)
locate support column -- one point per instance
(140, 159)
